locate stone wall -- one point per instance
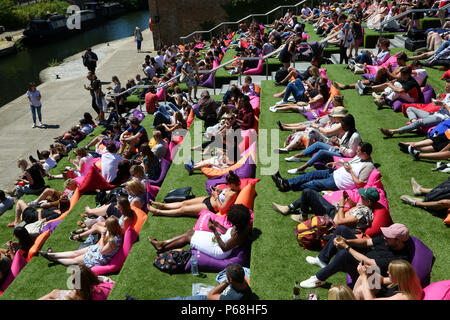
(179, 18)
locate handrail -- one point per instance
(243, 19)
(383, 23)
(392, 19)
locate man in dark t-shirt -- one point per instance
(134, 136)
(410, 85)
(376, 252)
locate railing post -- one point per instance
(267, 68)
(214, 82)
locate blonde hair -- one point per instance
(136, 187)
(340, 292)
(69, 182)
(137, 170)
(113, 227)
(403, 274)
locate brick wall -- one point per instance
(181, 17)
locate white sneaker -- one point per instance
(34, 125)
(280, 150)
(315, 261)
(280, 102)
(293, 159)
(312, 283)
(292, 99)
(41, 125)
(294, 171)
(273, 109)
(376, 96)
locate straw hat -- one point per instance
(338, 112)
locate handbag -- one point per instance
(179, 194)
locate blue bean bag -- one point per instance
(240, 255)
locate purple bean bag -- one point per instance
(51, 226)
(422, 260)
(427, 92)
(208, 83)
(164, 168)
(240, 255)
(247, 170)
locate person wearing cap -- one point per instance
(422, 119)
(349, 252)
(352, 174)
(358, 215)
(318, 131)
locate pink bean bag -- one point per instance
(257, 70)
(437, 291)
(161, 93)
(205, 215)
(118, 260)
(392, 60)
(16, 266)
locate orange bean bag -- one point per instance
(141, 216)
(447, 220)
(334, 92)
(40, 240)
(246, 196)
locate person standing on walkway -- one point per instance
(138, 38)
(34, 97)
(95, 83)
(90, 60)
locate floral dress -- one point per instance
(190, 78)
(93, 256)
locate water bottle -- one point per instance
(296, 291)
(194, 266)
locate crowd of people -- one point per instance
(130, 159)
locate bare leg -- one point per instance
(287, 107)
(174, 243)
(99, 212)
(20, 207)
(192, 210)
(96, 228)
(442, 155)
(51, 296)
(45, 194)
(434, 205)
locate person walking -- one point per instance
(90, 60)
(138, 38)
(34, 97)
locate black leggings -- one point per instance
(343, 54)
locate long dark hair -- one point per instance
(349, 122)
(25, 240)
(239, 216)
(88, 279)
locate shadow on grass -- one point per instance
(255, 234)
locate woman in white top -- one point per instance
(34, 97)
(324, 152)
(215, 244)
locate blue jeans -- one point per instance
(364, 57)
(196, 297)
(343, 260)
(33, 112)
(163, 115)
(297, 89)
(321, 152)
(318, 180)
(444, 45)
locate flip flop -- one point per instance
(11, 225)
(79, 231)
(76, 238)
(81, 224)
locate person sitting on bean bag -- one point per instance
(92, 287)
(218, 201)
(401, 283)
(213, 243)
(98, 254)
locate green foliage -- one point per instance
(17, 17)
(132, 4)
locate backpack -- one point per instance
(309, 233)
(85, 59)
(281, 74)
(173, 261)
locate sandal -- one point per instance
(81, 224)
(46, 256)
(79, 231)
(76, 238)
(84, 215)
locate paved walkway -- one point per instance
(63, 104)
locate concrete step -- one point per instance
(397, 43)
(335, 58)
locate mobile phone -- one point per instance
(362, 262)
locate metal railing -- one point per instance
(223, 24)
(381, 25)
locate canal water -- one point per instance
(17, 70)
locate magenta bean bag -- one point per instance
(392, 60)
(116, 263)
(240, 255)
(257, 70)
(161, 93)
(16, 266)
(205, 215)
(437, 291)
(164, 168)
